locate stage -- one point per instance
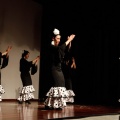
(11, 110)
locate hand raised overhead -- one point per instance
(9, 48)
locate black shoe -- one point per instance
(48, 108)
(58, 108)
(20, 102)
(28, 102)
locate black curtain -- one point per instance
(95, 47)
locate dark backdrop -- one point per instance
(95, 47)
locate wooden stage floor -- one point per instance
(35, 111)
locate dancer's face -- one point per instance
(27, 56)
(57, 40)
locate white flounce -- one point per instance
(55, 102)
(26, 93)
(57, 92)
(1, 90)
(27, 89)
(56, 97)
(71, 94)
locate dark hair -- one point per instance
(53, 35)
(24, 53)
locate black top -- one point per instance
(5, 60)
(25, 65)
(4, 63)
(57, 54)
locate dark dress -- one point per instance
(56, 96)
(27, 91)
(67, 71)
(3, 64)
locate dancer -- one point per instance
(26, 94)
(4, 58)
(67, 67)
(56, 96)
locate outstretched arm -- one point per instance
(70, 38)
(7, 51)
(69, 45)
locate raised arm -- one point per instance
(70, 38)
(7, 51)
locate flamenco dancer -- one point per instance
(68, 66)
(56, 96)
(26, 94)
(4, 58)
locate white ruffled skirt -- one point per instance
(26, 93)
(2, 91)
(71, 95)
(56, 97)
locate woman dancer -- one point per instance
(26, 94)
(67, 66)
(4, 58)
(56, 96)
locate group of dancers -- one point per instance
(61, 64)
(27, 68)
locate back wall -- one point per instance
(20, 27)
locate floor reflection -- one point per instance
(26, 112)
(66, 112)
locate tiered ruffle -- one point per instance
(56, 97)
(26, 93)
(71, 95)
(2, 91)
